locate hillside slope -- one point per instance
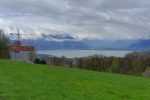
(25, 81)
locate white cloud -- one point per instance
(103, 19)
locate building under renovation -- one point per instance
(21, 52)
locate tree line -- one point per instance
(135, 63)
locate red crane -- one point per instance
(17, 42)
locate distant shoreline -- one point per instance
(82, 53)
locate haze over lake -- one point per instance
(82, 53)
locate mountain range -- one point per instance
(141, 45)
(52, 42)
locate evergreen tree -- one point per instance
(4, 52)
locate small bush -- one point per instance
(146, 73)
(43, 62)
(37, 61)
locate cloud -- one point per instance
(102, 19)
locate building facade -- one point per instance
(22, 52)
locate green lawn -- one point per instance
(25, 81)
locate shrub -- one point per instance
(37, 61)
(43, 62)
(147, 72)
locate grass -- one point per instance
(25, 81)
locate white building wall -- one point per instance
(22, 55)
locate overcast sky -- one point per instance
(102, 19)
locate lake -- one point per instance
(82, 53)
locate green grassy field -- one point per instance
(25, 81)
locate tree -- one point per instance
(115, 65)
(4, 52)
(136, 67)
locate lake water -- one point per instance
(82, 53)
